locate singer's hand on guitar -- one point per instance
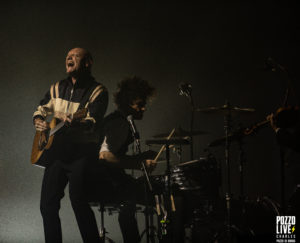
(67, 119)
(40, 125)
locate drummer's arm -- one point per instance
(127, 161)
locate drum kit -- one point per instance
(210, 216)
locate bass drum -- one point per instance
(252, 221)
(260, 217)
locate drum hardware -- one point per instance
(198, 182)
(169, 202)
(179, 133)
(227, 127)
(164, 147)
(236, 136)
(241, 166)
(202, 175)
(152, 230)
(232, 137)
(239, 134)
(252, 221)
(102, 208)
(227, 110)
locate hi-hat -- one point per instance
(180, 133)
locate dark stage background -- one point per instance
(218, 48)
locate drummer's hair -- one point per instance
(131, 89)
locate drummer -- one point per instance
(131, 99)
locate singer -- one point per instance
(119, 132)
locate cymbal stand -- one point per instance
(241, 165)
(227, 126)
(192, 127)
(178, 152)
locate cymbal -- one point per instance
(225, 108)
(171, 141)
(180, 133)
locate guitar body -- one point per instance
(41, 142)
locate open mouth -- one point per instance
(70, 64)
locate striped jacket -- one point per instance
(64, 98)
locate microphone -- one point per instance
(135, 133)
(185, 89)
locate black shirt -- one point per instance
(117, 134)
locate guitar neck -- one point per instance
(256, 127)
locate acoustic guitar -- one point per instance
(43, 140)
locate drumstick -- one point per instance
(172, 203)
(163, 147)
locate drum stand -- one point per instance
(102, 231)
(151, 226)
(241, 165)
(166, 226)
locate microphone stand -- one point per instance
(147, 182)
(186, 90)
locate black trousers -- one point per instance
(56, 177)
(109, 185)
